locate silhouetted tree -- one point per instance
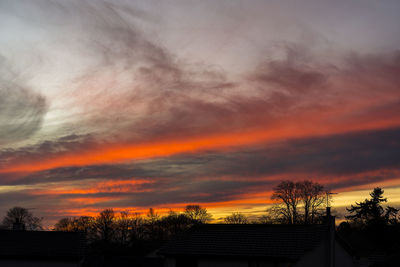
(372, 227)
(312, 197)
(344, 228)
(84, 224)
(266, 219)
(371, 213)
(122, 227)
(104, 224)
(289, 195)
(152, 216)
(137, 231)
(293, 196)
(197, 214)
(64, 225)
(152, 225)
(236, 218)
(175, 223)
(23, 217)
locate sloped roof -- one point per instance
(41, 244)
(247, 240)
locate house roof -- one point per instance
(247, 240)
(41, 244)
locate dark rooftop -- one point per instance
(247, 240)
(41, 244)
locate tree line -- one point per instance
(301, 202)
(110, 226)
(125, 227)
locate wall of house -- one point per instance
(227, 262)
(36, 263)
(169, 262)
(343, 258)
(222, 263)
(203, 262)
(261, 263)
(316, 257)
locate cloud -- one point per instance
(134, 90)
(297, 72)
(324, 158)
(64, 145)
(339, 162)
(292, 97)
(21, 109)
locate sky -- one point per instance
(138, 104)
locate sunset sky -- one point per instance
(139, 104)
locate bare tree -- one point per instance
(152, 216)
(266, 219)
(123, 227)
(137, 230)
(105, 224)
(289, 195)
(197, 214)
(152, 225)
(64, 225)
(312, 197)
(175, 223)
(84, 224)
(236, 218)
(23, 218)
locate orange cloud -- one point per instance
(90, 200)
(314, 126)
(112, 186)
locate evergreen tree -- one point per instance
(371, 213)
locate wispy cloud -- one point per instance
(21, 109)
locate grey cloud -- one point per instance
(173, 96)
(175, 191)
(152, 95)
(21, 109)
(295, 73)
(328, 156)
(339, 155)
(47, 149)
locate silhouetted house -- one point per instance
(252, 245)
(41, 248)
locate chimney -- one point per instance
(328, 212)
(330, 238)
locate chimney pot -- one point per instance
(328, 211)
